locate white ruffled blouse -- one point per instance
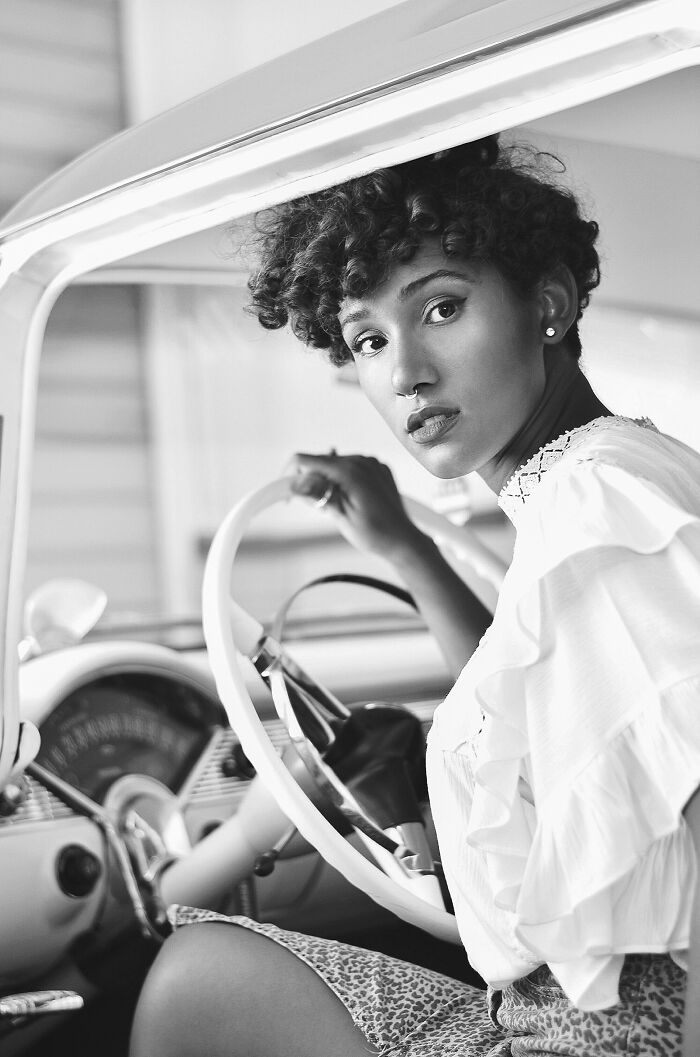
(561, 761)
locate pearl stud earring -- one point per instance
(550, 332)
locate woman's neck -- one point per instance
(567, 402)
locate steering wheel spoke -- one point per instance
(412, 866)
(307, 709)
(327, 782)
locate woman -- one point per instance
(561, 763)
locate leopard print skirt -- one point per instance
(405, 1010)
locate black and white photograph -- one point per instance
(350, 546)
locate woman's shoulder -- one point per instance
(620, 482)
(627, 461)
(634, 445)
(615, 454)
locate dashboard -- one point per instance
(112, 713)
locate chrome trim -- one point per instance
(41, 805)
(35, 1003)
(334, 107)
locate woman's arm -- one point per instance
(691, 1022)
(367, 509)
(451, 610)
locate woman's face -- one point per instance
(457, 333)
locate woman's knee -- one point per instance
(190, 993)
(225, 991)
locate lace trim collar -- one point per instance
(527, 477)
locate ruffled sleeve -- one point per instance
(588, 684)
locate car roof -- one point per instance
(404, 82)
(387, 49)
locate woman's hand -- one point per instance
(360, 494)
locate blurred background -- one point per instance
(161, 401)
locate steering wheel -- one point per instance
(230, 632)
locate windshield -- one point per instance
(161, 405)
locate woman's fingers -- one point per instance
(312, 484)
(329, 464)
(349, 485)
(359, 493)
(356, 469)
(319, 479)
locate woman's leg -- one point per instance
(223, 991)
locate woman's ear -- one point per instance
(558, 300)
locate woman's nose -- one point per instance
(411, 368)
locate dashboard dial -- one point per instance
(125, 725)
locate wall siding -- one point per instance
(61, 92)
(61, 86)
(91, 511)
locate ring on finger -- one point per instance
(326, 497)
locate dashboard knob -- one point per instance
(77, 870)
(265, 863)
(237, 764)
(13, 795)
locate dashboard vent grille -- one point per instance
(211, 783)
(40, 806)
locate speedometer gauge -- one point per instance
(125, 725)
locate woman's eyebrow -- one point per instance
(406, 291)
(352, 317)
(441, 273)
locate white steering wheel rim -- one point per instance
(231, 686)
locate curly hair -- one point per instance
(485, 204)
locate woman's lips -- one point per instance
(430, 423)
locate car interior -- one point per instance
(185, 644)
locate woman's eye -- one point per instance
(368, 344)
(441, 311)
